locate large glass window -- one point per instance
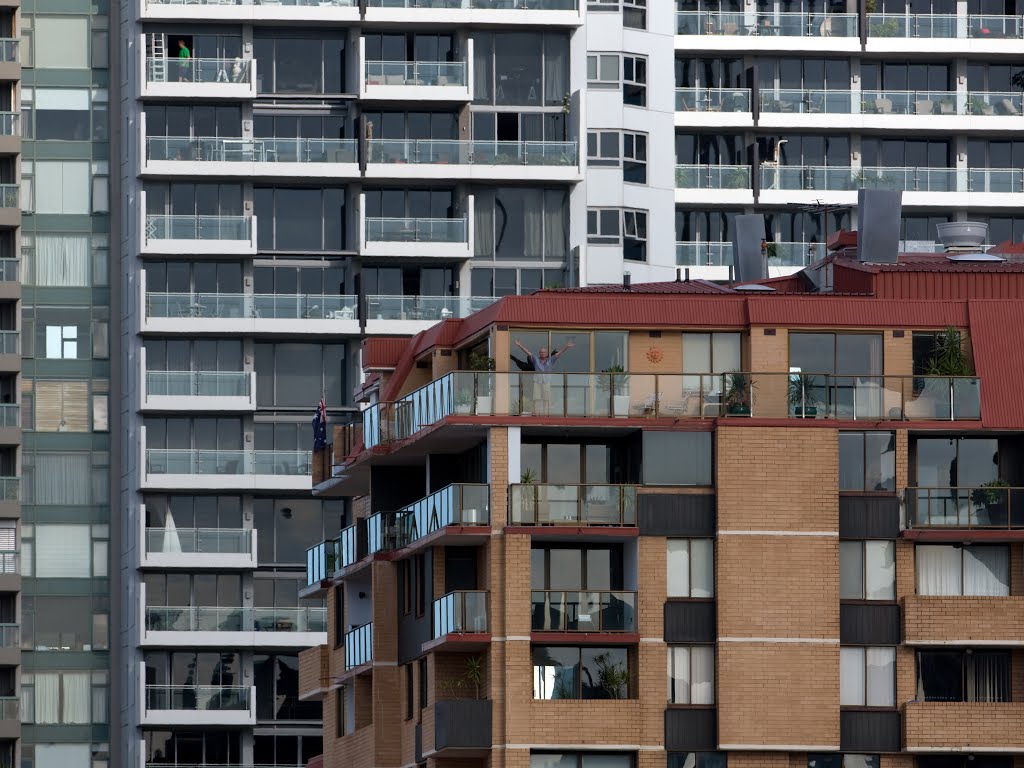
(955, 569)
(867, 677)
(578, 351)
(582, 760)
(842, 761)
(194, 747)
(867, 570)
(852, 354)
(62, 186)
(66, 551)
(561, 672)
(64, 623)
(277, 689)
(521, 224)
(294, 219)
(867, 461)
(284, 377)
(699, 760)
(691, 674)
(287, 527)
(61, 42)
(590, 568)
(691, 568)
(299, 62)
(521, 68)
(677, 458)
(970, 675)
(956, 462)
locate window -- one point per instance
(63, 698)
(63, 186)
(561, 672)
(954, 569)
(603, 70)
(292, 375)
(616, 226)
(867, 570)
(581, 760)
(521, 224)
(698, 760)
(677, 458)
(842, 761)
(634, 12)
(61, 43)
(424, 687)
(614, 148)
(62, 341)
(61, 114)
(603, 148)
(299, 64)
(276, 678)
(296, 219)
(528, 69)
(867, 461)
(420, 565)
(971, 675)
(65, 623)
(691, 568)
(339, 616)
(410, 690)
(634, 80)
(691, 674)
(867, 677)
(65, 551)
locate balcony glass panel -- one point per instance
(806, 100)
(197, 697)
(321, 561)
(712, 177)
(460, 612)
(988, 506)
(408, 230)
(572, 505)
(10, 342)
(199, 540)
(424, 307)
(9, 195)
(712, 99)
(10, 635)
(704, 254)
(498, 5)
(995, 103)
(460, 504)
(556, 611)
(166, 227)
(199, 71)
(221, 150)
(937, 25)
(420, 73)
(9, 270)
(913, 103)
(457, 152)
(10, 415)
(8, 49)
(10, 124)
(359, 646)
(987, 27)
(198, 383)
(219, 462)
(783, 24)
(270, 306)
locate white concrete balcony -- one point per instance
(728, 184)
(945, 33)
(196, 705)
(535, 161)
(532, 13)
(198, 469)
(974, 187)
(197, 548)
(416, 80)
(754, 30)
(247, 313)
(713, 107)
(208, 627)
(176, 235)
(192, 157)
(408, 315)
(252, 11)
(170, 78)
(393, 237)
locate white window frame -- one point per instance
(638, 62)
(685, 656)
(602, 159)
(863, 691)
(599, 81)
(634, 153)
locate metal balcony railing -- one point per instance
(583, 611)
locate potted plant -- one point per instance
(737, 394)
(616, 381)
(482, 363)
(803, 404)
(994, 497)
(464, 403)
(528, 497)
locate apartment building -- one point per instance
(767, 525)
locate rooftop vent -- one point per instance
(962, 236)
(974, 256)
(755, 288)
(878, 225)
(748, 234)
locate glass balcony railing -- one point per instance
(10, 415)
(10, 563)
(10, 270)
(198, 383)
(457, 504)
(704, 253)
(944, 25)
(351, 545)
(783, 24)
(8, 49)
(10, 124)
(712, 177)
(208, 541)
(572, 505)
(321, 561)
(10, 488)
(237, 150)
(10, 708)
(912, 103)
(457, 152)
(1005, 180)
(606, 611)
(197, 697)
(497, 5)
(410, 230)
(164, 227)
(270, 306)
(274, 3)
(420, 73)
(9, 195)
(175, 70)
(995, 103)
(10, 635)
(796, 177)
(712, 99)
(991, 506)
(161, 461)
(460, 613)
(359, 646)
(227, 619)
(10, 342)
(806, 100)
(425, 307)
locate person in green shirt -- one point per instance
(184, 61)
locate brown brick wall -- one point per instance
(898, 354)
(962, 618)
(314, 672)
(935, 725)
(778, 694)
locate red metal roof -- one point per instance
(999, 360)
(383, 351)
(673, 287)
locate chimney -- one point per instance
(625, 281)
(679, 274)
(962, 236)
(879, 212)
(747, 257)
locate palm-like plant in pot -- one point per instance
(616, 381)
(483, 366)
(736, 395)
(951, 367)
(802, 401)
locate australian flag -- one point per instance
(320, 426)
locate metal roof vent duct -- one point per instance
(879, 212)
(748, 232)
(962, 236)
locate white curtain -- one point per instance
(63, 551)
(988, 677)
(881, 676)
(851, 677)
(702, 674)
(47, 694)
(483, 224)
(75, 707)
(938, 569)
(678, 567)
(880, 570)
(533, 225)
(987, 571)
(679, 675)
(62, 260)
(62, 479)
(172, 541)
